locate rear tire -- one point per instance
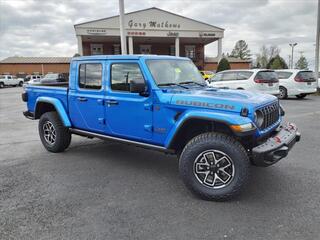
(20, 84)
(54, 136)
(1, 85)
(301, 96)
(214, 166)
(283, 92)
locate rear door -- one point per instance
(86, 97)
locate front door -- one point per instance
(127, 114)
(86, 97)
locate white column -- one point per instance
(122, 31)
(177, 47)
(130, 45)
(80, 50)
(219, 56)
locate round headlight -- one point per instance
(258, 118)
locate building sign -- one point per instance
(136, 33)
(204, 34)
(153, 25)
(97, 31)
(172, 34)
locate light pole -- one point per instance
(316, 67)
(123, 39)
(292, 45)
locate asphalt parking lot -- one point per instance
(104, 190)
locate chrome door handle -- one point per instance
(82, 99)
(112, 102)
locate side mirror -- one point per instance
(138, 87)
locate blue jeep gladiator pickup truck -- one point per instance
(162, 102)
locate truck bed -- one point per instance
(57, 91)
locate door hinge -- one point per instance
(148, 106)
(148, 128)
(101, 120)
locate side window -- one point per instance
(123, 73)
(90, 76)
(217, 77)
(244, 75)
(9, 77)
(284, 75)
(229, 76)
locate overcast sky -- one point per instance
(45, 28)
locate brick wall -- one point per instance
(15, 69)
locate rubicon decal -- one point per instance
(205, 104)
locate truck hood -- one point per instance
(220, 99)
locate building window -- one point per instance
(123, 73)
(172, 51)
(116, 49)
(145, 49)
(96, 49)
(90, 76)
(190, 51)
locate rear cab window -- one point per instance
(90, 76)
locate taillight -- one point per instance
(299, 79)
(258, 80)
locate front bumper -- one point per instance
(276, 147)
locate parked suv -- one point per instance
(265, 81)
(294, 82)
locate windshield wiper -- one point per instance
(172, 84)
(188, 82)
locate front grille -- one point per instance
(270, 114)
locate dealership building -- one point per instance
(148, 31)
(154, 31)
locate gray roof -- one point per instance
(40, 60)
(230, 59)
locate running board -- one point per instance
(106, 137)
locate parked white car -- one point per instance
(261, 80)
(32, 77)
(294, 82)
(10, 80)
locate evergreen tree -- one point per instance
(302, 63)
(277, 62)
(223, 65)
(241, 50)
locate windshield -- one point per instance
(174, 72)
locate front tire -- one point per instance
(214, 166)
(20, 84)
(54, 136)
(301, 96)
(1, 85)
